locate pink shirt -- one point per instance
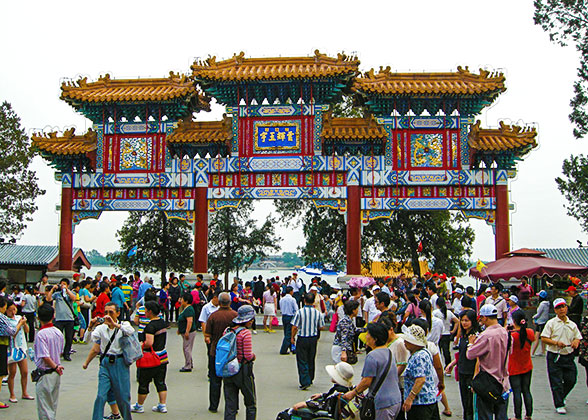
(490, 349)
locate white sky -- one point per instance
(44, 42)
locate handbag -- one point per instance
(131, 348)
(368, 404)
(275, 321)
(149, 359)
(334, 320)
(487, 386)
(17, 354)
(351, 357)
(75, 318)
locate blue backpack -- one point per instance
(225, 362)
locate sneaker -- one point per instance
(303, 387)
(586, 402)
(185, 370)
(561, 410)
(159, 408)
(254, 332)
(136, 408)
(112, 417)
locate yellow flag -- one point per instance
(480, 265)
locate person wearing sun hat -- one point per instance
(576, 306)
(562, 337)
(244, 380)
(420, 390)
(342, 378)
(539, 319)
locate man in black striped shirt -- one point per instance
(307, 324)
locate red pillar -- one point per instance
(201, 231)
(502, 234)
(353, 231)
(65, 231)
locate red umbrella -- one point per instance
(526, 262)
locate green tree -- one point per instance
(18, 184)
(235, 242)
(574, 187)
(291, 259)
(96, 258)
(163, 244)
(567, 21)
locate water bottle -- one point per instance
(31, 352)
(505, 394)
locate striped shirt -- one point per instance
(128, 291)
(244, 346)
(308, 321)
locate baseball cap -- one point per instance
(198, 284)
(458, 290)
(428, 273)
(513, 298)
(543, 294)
(571, 289)
(313, 288)
(559, 301)
(376, 287)
(443, 276)
(488, 310)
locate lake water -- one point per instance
(248, 275)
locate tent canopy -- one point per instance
(526, 262)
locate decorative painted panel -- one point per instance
(426, 150)
(135, 153)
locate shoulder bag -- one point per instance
(76, 320)
(103, 355)
(487, 386)
(368, 405)
(131, 348)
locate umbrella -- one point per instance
(526, 262)
(360, 282)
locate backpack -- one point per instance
(225, 362)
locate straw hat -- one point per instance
(341, 373)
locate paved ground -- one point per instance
(276, 380)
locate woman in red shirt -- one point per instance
(103, 299)
(520, 366)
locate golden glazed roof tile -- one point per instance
(240, 68)
(507, 137)
(68, 144)
(352, 129)
(106, 89)
(461, 82)
(202, 132)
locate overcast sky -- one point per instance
(45, 42)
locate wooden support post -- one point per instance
(353, 231)
(502, 234)
(65, 231)
(201, 231)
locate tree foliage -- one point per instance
(567, 21)
(163, 244)
(235, 242)
(574, 187)
(18, 184)
(96, 258)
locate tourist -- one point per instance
(43, 283)
(49, 344)
(583, 348)
(288, 308)
(87, 299)
(155, 339)
(382, 302)
(140, 318)
(431, 291)
(18, 352)
(412, 311)
(102, 300)
(481, 296)
(146, 285)
(6, 331)
(465, 367)
(184, 282)
(513, 306)
(562, 337)
(450, 325)
(540, 319)
(244, 380)
(499, 302)
(576, 306)
(127, 290)
(491, 349)
(163, 299)
(435, 324)
(296, 285)
(342, 379)
(175, 293)
(63, 299)
(420, 392)
(469, 300)
(216, 325)
(208, 309)
(456, 304)
(269, 308)
(114, 376)
(379, 374)
(29, 310)
(187, 329)
(370, 312)
(520, 366)
(17, 298)
(307, 324)
(343, 349)
(525, 291)
(236, 297)
(118, 296)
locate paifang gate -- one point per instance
(419, 146)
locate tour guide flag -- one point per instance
(480, 265)
(132, 251)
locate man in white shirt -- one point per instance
(498, 301)
(208, 309)
(114, 376)
(562, 337)
(370, 312)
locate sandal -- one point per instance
(12, 400)
(447, 413)
(28, 397)
(2, 405)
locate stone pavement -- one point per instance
(276, 381)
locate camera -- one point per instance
(100, 320)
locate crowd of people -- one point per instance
(415, 333)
